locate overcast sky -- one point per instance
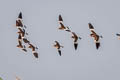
(41, 19)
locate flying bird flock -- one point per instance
(23, 42)
(74, 35)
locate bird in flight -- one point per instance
(22, 34)
(19, 41)
(33, 50)
(62, 27)
(22, 38)
(21, 46)
(58, 47)
(95, 36)
(75, 38)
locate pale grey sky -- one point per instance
(40, 17)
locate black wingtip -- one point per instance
(20, 15)
(75, 46)
(60, 18)
(35, 54)
(118, 34)
(90, 26)
(59, 51)
(97, 45)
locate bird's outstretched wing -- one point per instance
(75, 36)
(97, 45)
(35, 54)
(118, 34)
(75, 46)
(20, 15)
(90, 26)
(59, 51)
(62, 26)
(60, 18)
